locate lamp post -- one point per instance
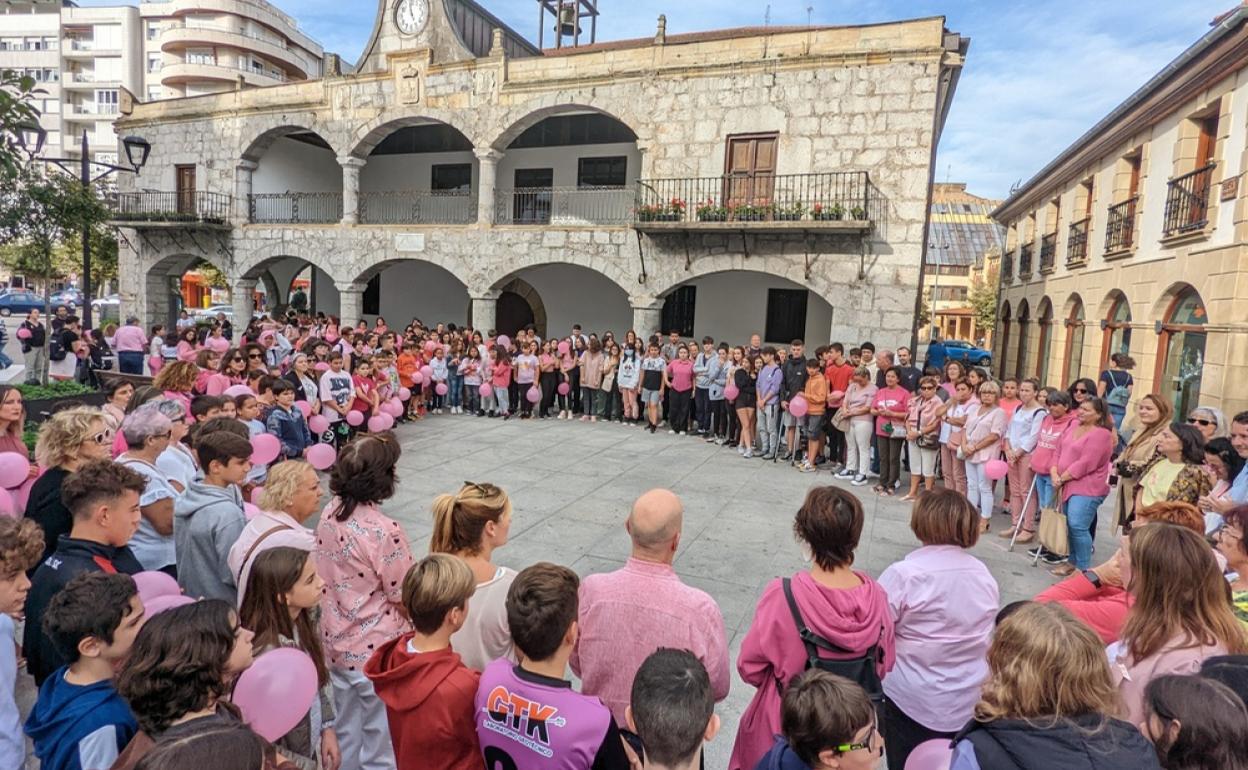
(31, 137)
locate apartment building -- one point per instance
(1135, 239)
(963, 239)
(84, 56)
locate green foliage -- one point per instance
(925, 308)
(212, 276)
(16, 95)
(30, 435)
(61, 389)
(42, 216)
(983, 299)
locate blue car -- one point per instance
(20, 301)
(70, 298)
(961, 350)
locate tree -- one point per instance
(925, 308)
(983, 298)
(16, 110)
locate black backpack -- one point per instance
(56, 350)
(863, 669)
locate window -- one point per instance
(531, 198)
(106, 102)
(678, 310)
(455, 177)
(750, 165)
(786, 314)
(602, 172)
(1181, 351)
(951, 293)
(153, 63)
(155, 93)
(372, 296)
(152, 30)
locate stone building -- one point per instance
(745, 180)
(1133, 240)
(963, 239)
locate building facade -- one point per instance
(964, 244)
(83, 58)
(729, 182)
(1134, 239)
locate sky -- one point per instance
(1038, 75)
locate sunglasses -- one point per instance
(254, 355)
(1081, 390)
(104, 437)
(1199, 421)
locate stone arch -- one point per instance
(258, 145)
(526, 117)
(610, 269)
(529, 294)
(1073, 302)
(1112, 297)
(255, 262)
(793, 270)
(366, 138)
(159, 296)
(733, 304)
(1165, 302)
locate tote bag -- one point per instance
(1053, 533)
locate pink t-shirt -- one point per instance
(130, 339)
(894, 400)
(1051, 431)
(680, 373)
(217, 344)
(363, 561)
(500, 377)
(981, 423)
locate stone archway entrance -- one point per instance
(519, 305)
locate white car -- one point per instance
(208, 313)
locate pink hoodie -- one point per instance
(772, 652)
(1051, 431)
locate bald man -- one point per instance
(626, 615)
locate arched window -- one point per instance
(1024, 321)
(1072, 367)
(1046, 341)
(1181, 351)
(1117, 326)
(1004, 345)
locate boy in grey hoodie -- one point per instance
(209, 517)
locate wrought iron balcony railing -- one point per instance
(1187, 201)
(1048, 252)
(1007, 267)
(569, 206)
(1120, 226)
(841, 196)
(191, 207)
(295, 208)
(418, 207)
(1024, 260)
(1077, 241)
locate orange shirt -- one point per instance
(816, 394)
(407, 366)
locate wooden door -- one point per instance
(186, 188)
(750, 168)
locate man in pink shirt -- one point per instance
(626, 615)
(130, 344)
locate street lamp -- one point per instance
(31, 138)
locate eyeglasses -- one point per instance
(1199, 421)
(845, 748)
(104, 437)
(927, 387)
(254, 355)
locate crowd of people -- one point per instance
(455, 661)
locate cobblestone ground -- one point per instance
(572, 484)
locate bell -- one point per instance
(567, 21)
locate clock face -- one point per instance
(412, 15)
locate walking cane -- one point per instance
(1018, 526)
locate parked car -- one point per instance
(20, 301)
(70, 298)
(210, 313)
(961, 350)
(107, 308)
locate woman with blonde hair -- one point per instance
(1049, 701)
(1181, 616)
(1153, 414)
(292, 493)
(66, 441)
(470, 524)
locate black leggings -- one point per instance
(680, 410)
(550, 384)
(902, 735)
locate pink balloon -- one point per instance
(377, 423)
(161, 603)
(321, 366)
(276, 692)
(318, 423)
(931, 755)
(486, 390)
(564, 388)
(417, 378)
(534, 395)
(255, 494)
(235, 391)
(430, 346)
(564, 347)
(996, 469)
(731, 392)
(250, 511)
(798, 406)
(304, 407)
(14, 469)
(389, 418)
(426, 372)
(441, 389)
(8, 506)
(23, 333)
(404, 394)
(355, 418)
(322, 456)
(836, 396)
(504, 340)
(393, 407)
(152, 584)
(265, 448)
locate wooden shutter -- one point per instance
(186, 188)
(750, 168)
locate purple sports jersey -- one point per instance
(528, 721)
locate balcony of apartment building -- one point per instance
(80, 43)
(219, 68)
(101, 109)
(196, 34)
(1188, 201)
(1024, 260)
(1048, 253)
(262, 14)
(1077, 242)
(87, 80)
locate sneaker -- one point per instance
(859, 481)
(1052, 559)
(897, 484)
(671, 432)
(806, 467)
(748, 453)
(845, 474)
(681, 433)
(768, 457)
(873, 475)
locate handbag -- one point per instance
(608, 380)
(840, 420)
(1053, 532)
(927, 441)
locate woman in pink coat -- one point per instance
(836, 602)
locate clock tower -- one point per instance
(412, 25)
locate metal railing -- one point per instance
(756, 198)
(1187, 201)
(418, 207)
(569, 206)
(1077, 241)
(1048, 252)
(1024, 260)
(1120, 226)
(1007, 266)
(295, 208)
(186, 206)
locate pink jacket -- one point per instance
(979, 425)
(1051, 431)
(187, 352)
(772, 653)
(363, 561)
(1086, 459)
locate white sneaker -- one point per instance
(872, 475)
(748, 453)
(859, 481)
(672, 432)
(845, 474)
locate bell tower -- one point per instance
(571, 23)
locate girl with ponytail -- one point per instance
(470, 524)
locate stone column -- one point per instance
(243, 176)
(484, 311)
(647, 316)
(350, 302)
(487, 179)
(351, 166)
(242, 297)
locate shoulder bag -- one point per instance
(863, 669)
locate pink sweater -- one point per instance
(1046, 445)
(363, 561)
(1086, 459)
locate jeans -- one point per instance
(1080, 515)
(130, 362)
(550, 385)
(769, 429)
(902, 735)
(589, 397)
(456, 393)
(1044, 490)
(474, 398)
(361, 721)
(1118, 413)
(500, 396)
(36, 361)
(979, 488)
(702, 408)
(608, 400)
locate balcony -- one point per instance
(93, 112)
(565, 206)
(1187, 202)
(418, 207)
(837, 201)
(1077, 242)
(1024, 260)
(1007, 267)
(86, 81)
(295, 208)
(178, 39)
(1120, 226)
(171, 209)
(179, 73)
(1048, 252)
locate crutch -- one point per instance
(1018, 526)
